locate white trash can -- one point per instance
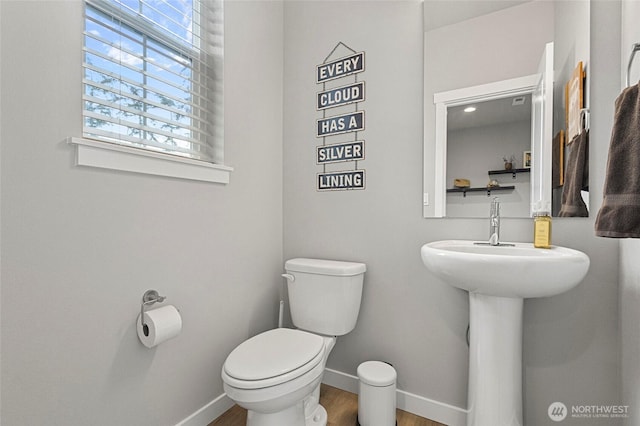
(377, 394)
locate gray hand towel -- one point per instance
(619, 216)
(576, 177)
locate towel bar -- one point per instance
(584, 119)
(634, 49)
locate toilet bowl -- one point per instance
(276, 375)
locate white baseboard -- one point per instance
(421, 406)
(424, 407)
(209, 412)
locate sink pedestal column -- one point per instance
(495, 361)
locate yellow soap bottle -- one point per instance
(542, 229)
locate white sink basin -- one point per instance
(515, 270)
(498, 280)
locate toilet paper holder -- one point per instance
(149, 298)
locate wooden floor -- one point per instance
(342, 410)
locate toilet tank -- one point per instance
(324, 295)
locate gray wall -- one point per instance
(572, 44)
(408, 317)
(630, 249)
(629, 320)
(403, 319)
(472, 152)
(80, 246)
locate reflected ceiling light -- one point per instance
(470, 109)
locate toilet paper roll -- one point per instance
(160, 325)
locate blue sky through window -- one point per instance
(139, 83)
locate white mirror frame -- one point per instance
(443, 100)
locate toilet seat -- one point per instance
(271, 358)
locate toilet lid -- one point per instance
(273, 353)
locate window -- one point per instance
(153, 76)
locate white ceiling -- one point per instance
(498, 111)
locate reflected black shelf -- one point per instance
(513, 172)
(481, 189)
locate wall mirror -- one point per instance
(507, 145)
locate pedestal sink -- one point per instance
(498, 278)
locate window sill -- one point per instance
(119, 157)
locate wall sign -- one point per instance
(574, 101)
(340, 96)
(340, 67)
(341, 124)
(339, 152)
(337, 181)
(345, 120)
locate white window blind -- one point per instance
(153, 75)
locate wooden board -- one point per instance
(342, 410)
(574, 101)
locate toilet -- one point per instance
(276, 375)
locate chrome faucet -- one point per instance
(494, 222)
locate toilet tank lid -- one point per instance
(325, 267)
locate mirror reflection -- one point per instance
(487, 49)
(489, 153)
